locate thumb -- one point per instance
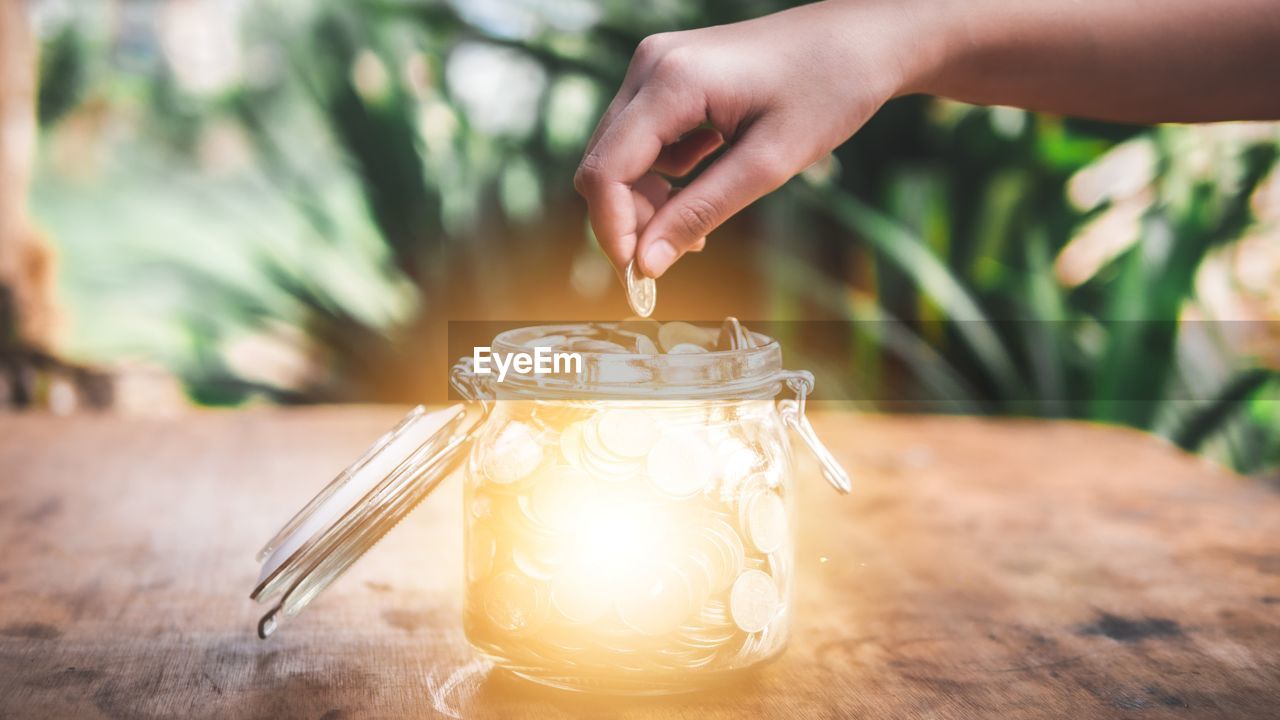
(750, 169)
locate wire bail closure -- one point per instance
(793, 414)
(464, 380)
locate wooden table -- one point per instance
(981, 569)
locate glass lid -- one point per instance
(357, 508)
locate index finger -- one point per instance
(624, 153)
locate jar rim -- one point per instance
(715, 374)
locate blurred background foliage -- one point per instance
(288, 201)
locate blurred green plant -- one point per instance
(984, 253)
(1014, 338)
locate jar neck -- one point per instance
(748, 373)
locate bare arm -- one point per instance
(785, 89)
(1124, 60)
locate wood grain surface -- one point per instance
(1011, 569)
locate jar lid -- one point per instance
(357, 508)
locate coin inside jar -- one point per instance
(675, 334)
(766, 521)
(514, 454)
(680, 466)
(514, 602)
(656, 600)
(753, 601)
(733, 336)
(627, 433)
(560, 496)
(642, 291)
(578, 594)
(685, 349)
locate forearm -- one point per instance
(1123, 60)
(785, 89)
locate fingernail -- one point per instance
(658, 257)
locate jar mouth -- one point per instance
(744, 373)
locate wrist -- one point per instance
(926, 41)
(909, 43)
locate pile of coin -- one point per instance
(643, 336)
(633, 540)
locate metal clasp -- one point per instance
(801, 383)
(463, 378)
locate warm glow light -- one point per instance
(613, 532)
(639, 542)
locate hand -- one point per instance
(781, 91)
(785, 89)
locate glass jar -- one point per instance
(628, 527)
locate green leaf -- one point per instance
(934, 279)
(1208, 420)
(874, 324)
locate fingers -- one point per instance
(652, 192)
(749, 169)
(649, 193)
(638, 69)
(682, 156)
(624, 153)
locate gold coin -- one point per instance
(579, 595)
(748, 650)
(681, 333)
(655, 600)
(555, 416)
(591, 345)
(753, 601)
(612, 471)
(511, 514)
(642, 292)
(571, 444)
(645, 346)
(481, 506)
(680, 466)
(628, 433)
(563, 642)
(714, 613)
(732, 335)
(513, 455)
(729, 556)
(707, 638)
(766, 521)
(591, 442)
(559, 497)
(715, 557)
(534, 560)
(547, 341)
(737, 461)
(515, 603)
(602, 462)
(691, 552)
(686, 349)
